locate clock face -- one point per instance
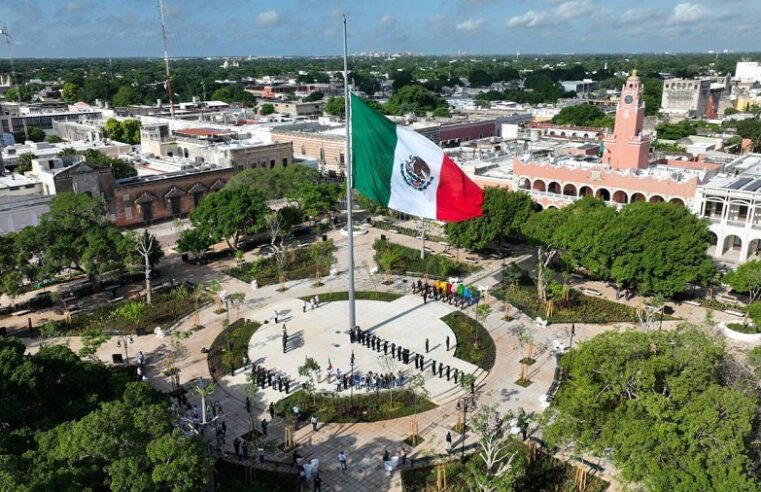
(628, 99)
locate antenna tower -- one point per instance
(9, 42)
(166, 60)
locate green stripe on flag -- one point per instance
(373, 138)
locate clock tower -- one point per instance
(627, 148)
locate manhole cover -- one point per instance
(336, 345)
(338, 331)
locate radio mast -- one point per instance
(166, 60)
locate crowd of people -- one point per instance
(450, 292)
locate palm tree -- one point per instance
(204, 391)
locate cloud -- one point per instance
(386, 21)
(267, 18)
(688, 12)
(529, 19)
(72, 7)
(470, 25)
(635, 16)
(575, 8)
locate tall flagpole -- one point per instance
(348, 167)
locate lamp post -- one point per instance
(464, 404)
(125, 340)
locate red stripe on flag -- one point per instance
(457, 197)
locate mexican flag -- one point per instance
(401, 169)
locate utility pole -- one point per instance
(166, 60)
(9, 42)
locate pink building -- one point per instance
(622, 175)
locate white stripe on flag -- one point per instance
(404, 197)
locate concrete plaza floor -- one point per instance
(322, 334)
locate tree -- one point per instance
(179, 464)
(335, 106)
(315, 96)
(307, 371)
(267, 109)
(500, 464)
(442, 112)
(504, 212)
(70, 92)
(229, 214)
(746, 279)
(96, 158)
(113, 129)
(32, 133)
(131, 131)
(146, 244)
(580, 115)
(195, 241)
(24, 163)
(478, 77)
(126, 96)
(676, 131)
(402, 79)
(657, 402)
(414, 99)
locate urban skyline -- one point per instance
(75, 28)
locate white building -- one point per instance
(748, 71)
(46, 151)
(685, 98)
(21, 202)
(731, 201)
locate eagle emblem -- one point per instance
(416, 173)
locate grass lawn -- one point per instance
(474, 344)
(231, 477)
(301, 263)
(365, 295)
(544, 474)
(364, 407)
(397, 259)
(227, 350)
(580, 308)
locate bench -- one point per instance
(115, 300)
(692, 303)
(22, 312)
(443, 243)
(394, 231)
(592, 292)
(734, 313)
(576, 275)
(447, 255)
(591, 465)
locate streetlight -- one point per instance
(125, 340)
(464, 404)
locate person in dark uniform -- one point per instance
(433, 367)
(385, 347)
(448, 368)
(441, 369)
(422, 362)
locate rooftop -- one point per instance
(741, 175)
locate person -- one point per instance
(141, 358)
(448, 369)
(447, 343)
(236, 445)
(139, 373)
(317, 483)
(426, 346)
(272, 411)
(425, 296)
(342, 460)
(304, 308)
(417, 361)
(313, 303)
(264, 427)
(317, 300)
(441, 369)
(276, 315)
(245, 361)
(422, 362)
(404, 455)
(449, 442)
(386, 456)
(287, 385)
(285, 330)
(204, 350)
(285, 341)
(224, 428)
(244, 450)
(313, 421)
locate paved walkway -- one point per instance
(363, 443)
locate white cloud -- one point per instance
(386, 21)
(267, 18)
(688, 12)
(573, 9)
(529, 19)
(470, 24)
(634, 16)
(329, 32)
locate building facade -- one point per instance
(687, 98)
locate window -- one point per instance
(272, 164)
(175, 204)
(285, 161)
(197, 197)
(146, 210)
(742, 212)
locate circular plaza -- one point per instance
(405, 329)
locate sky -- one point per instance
(118, 28)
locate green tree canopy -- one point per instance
(659, 403)
(582, 115)
(335, 106)
(230, 213)
(24, 163)
(414, 99)
(126, 96)
(675, 131)
(267, 109)
(96, 158)
(654, 248)
(70, 92)
(746, 279)
(35, 134)
(504, 212)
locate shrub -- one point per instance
(300, 264)
(408, 260)
(474, 343)
(367, 295)
(227, 350)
